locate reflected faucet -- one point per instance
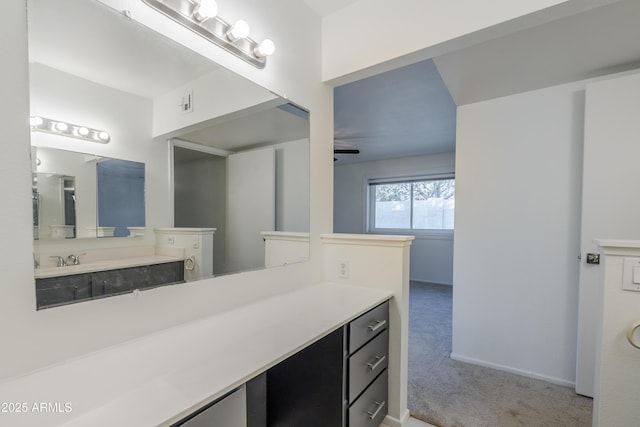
(74, 259)
(59, 261)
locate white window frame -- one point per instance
(424, 233)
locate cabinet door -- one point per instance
(307, 388)
(62, 290)
(230, 411)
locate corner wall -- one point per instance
(518, 186)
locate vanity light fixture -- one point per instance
(201, 17)
(205, 9)
(57, 127)
(239, 30)
(266, 48)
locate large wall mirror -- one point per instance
(193, 144)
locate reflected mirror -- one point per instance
(79, 195)
(187, 140)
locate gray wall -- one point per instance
(431, 257)
(203, 183)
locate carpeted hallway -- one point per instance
(448, 393)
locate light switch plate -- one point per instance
(631, 274)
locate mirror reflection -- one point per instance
(258, 184)
(79, 195)
(195, 148)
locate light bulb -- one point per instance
(205, 10)
(240, 30)
(104, 136)
(266, 48)
(61, 126)
(83, 131)
(36, 121)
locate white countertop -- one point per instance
(110, 264)
(160, 378)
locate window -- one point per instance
(411, 204)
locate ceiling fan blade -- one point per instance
(346, 151)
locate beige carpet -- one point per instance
(448, 393)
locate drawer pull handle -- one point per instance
(375, 326)
(375, 413)
(374, 365)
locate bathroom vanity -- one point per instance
(163, 378)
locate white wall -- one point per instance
(431, 256)
(292, 186)
(518, 186)
(207, 92)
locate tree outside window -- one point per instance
(422, 204)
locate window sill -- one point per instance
(418, 234)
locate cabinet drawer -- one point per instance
(367, 363)
(368, 326)
(371, 408)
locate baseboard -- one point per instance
(429, 282)
(394, 422)
(511, 370)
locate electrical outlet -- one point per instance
(343, 269)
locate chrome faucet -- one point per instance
(74, 259)
(59, 261)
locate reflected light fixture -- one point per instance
(201, 17)
(57, 127)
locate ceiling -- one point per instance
(406, 112)
(327, 7)
(281, 124)
(400, 113)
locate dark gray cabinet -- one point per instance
(340, 380)
(54, 291)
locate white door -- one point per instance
(251, 208)
(610, 206)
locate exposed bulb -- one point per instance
(240, 30)
(205, 10)
(83, 131)
(36, 121)
(266, 48)
(103, 136)
(61, 127)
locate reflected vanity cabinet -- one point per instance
(340, 380)
(67, 289)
